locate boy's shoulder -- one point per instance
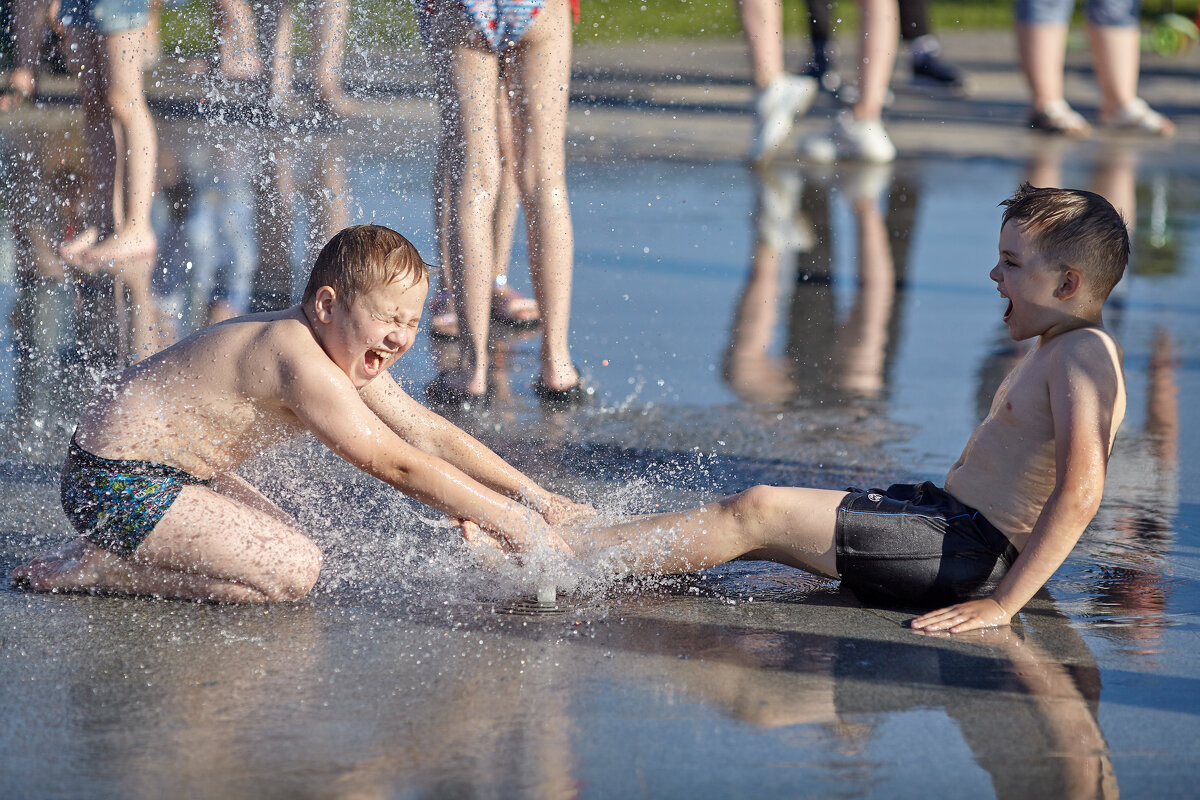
(1090, 344)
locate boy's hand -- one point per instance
(559, 510)
(489, 543)
(963, 617)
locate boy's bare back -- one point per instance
(1008, 468)
(215, 399)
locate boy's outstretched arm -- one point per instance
(437, 436)
(326, 403)
(1084, 391)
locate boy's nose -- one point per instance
(994, 274)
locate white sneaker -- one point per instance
(850, 139)
(775, 111)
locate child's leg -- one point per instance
(208, 546)
(792, 526)
(123, 55)
(762, 22)
(331, 44)
(540, 77)
(86, 60)
(468, 74)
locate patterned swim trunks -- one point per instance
(115, 504)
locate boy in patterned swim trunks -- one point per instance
(150, 480)
(1019, 496)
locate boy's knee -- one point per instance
(296, 578)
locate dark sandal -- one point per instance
(502, 314)
(571, 397)
(443, 319)
(440, 392)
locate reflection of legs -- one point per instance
(862, 345)
(208, 546)
(789, 525)
(540, 77)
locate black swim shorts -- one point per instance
(915, 545)
(115, 504)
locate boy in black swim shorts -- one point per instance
(1026, 485)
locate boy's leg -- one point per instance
(208, 546)
(540, 78)
(791, 526)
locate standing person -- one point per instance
(471, 46)
(108, 50)
(779, 96)
(1115, 38)
(858, 133)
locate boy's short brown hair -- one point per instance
(361, 258)
(1071, 227)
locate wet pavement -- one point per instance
(794, 325)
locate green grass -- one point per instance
(389, 23)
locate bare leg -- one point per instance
(1042, 51)
(468, 99)
(540, 77)
(208, 546)
(236, 40)
(331, 41)
(133, 237)
(30, 18)
(99, 144)
(880, 21)
(1116, 54)
(791, 526)
(762, 22)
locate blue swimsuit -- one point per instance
(115, 504)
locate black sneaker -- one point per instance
(930, 70)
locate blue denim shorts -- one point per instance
(1110, 13)
(105, 16)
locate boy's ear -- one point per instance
(1069, 284)
(323, 302)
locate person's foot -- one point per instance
(850, 139)
(443, 319)
(511, 308)
(930, 70)
(1059, 119)
(775, 111)
(76, 566)
(21, 90)
(561, 386)
(1138, 117)
(117, 251)
(72, 250)
(459, 388)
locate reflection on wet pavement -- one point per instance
(802, 326)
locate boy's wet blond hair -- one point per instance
(1073, 228)
(362, 258)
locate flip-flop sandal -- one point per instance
(507, 306)
(559, 399)
(1060, 119)
(440, 392)
(1138, 117)
(443, 319)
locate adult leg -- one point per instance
(1041, 48)
(791, 526)
(468, 75)
(780, 97)
(762, 22)
(877, 54)
(208, 546)
(539, 75)
(134, 237)
(237, 42)
(1115, 36)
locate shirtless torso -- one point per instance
(208, 403)
(1008, 468)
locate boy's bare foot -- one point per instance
(72, 250)
(75, 567)
(117, 250)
